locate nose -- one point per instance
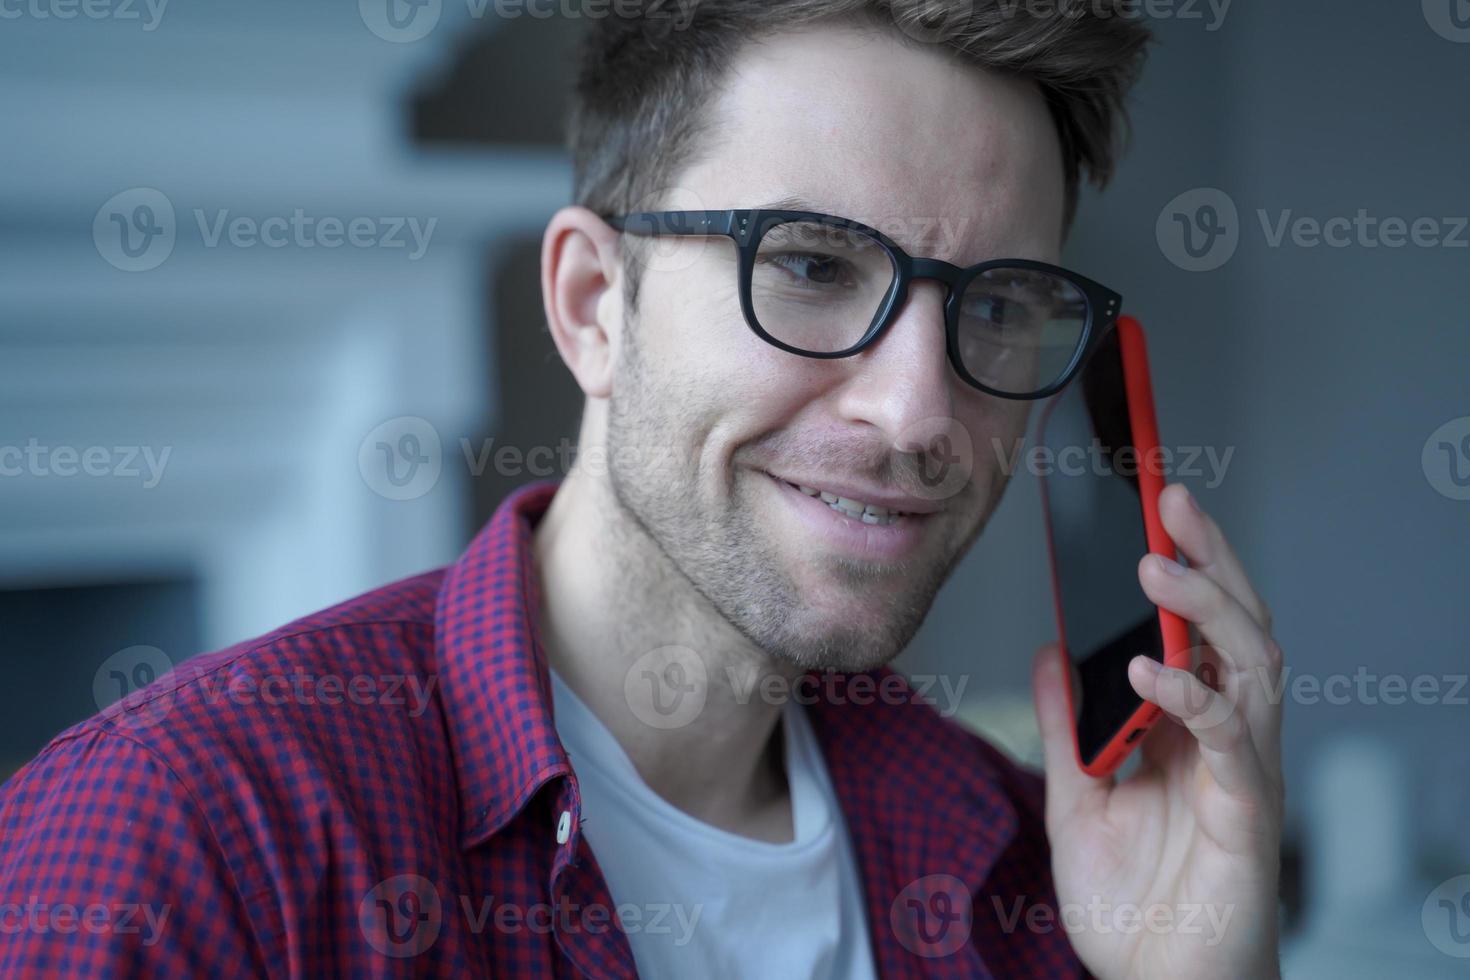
(904, 379)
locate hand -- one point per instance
(1195, 833)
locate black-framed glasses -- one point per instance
(822, 286)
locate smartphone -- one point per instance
(1100, 497)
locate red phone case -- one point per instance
(1175, 631)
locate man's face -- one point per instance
(707, 422)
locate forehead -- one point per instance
(951, 160)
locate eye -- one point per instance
(1000, 311)
(811, 268)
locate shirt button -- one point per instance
(564, 827)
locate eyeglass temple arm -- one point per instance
(733, 223)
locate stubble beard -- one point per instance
(671, 540)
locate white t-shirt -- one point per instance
(711, 903)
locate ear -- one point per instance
(581, 286)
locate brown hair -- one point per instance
(648, 70)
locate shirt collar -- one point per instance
(884, 758)
(493, 675)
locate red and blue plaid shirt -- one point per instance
(378, 789)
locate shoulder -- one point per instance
(286, 677)
(259, 720)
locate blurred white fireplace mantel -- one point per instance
(249, 370)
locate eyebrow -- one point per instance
(797, 203)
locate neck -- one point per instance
(610, 596)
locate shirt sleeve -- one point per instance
(108, 867)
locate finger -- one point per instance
(1069, 790)
(1202, 542)
(1221, 730)
(1248, 657)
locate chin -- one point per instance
(848, 648)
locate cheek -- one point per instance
(996, 426)
(707, 369)
(691, 322)
(692, 386)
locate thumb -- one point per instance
(1068, 789)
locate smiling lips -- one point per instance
(887, 512)
(867, 513)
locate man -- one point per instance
(732, 783)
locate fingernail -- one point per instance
(1169, 565)
(1149, 663)
(1193, 504)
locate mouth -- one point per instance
(858, 510)
(848, 525)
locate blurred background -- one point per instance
(271, 335)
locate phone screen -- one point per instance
(1095, 511)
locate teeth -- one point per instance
(867, 513)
